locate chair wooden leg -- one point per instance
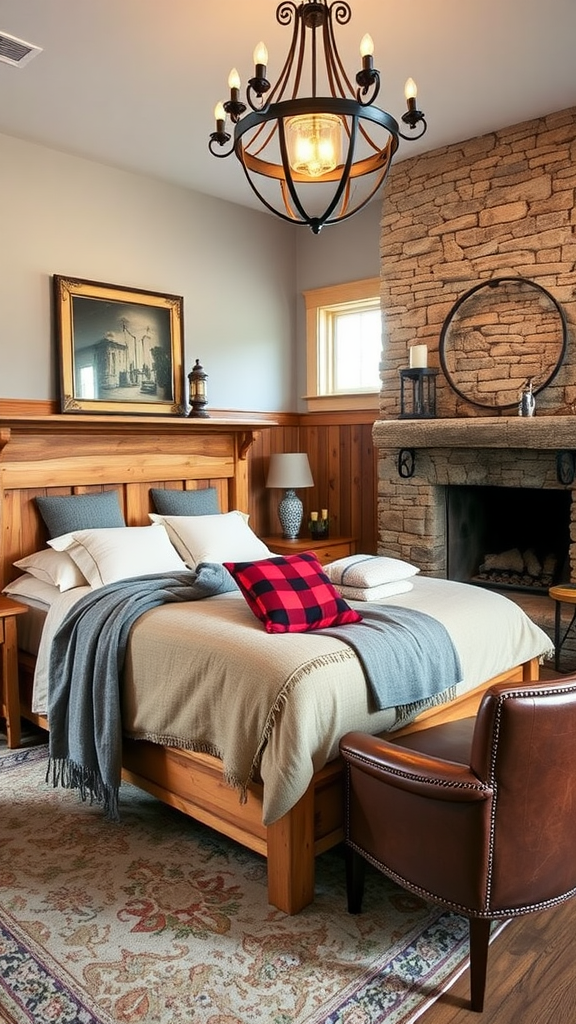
(355, 873)
(479, 939)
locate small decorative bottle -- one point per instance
(527, 406)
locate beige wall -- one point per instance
(503, 204)
(235, 268)
(241, 271)
(349, 251)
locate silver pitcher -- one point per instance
(527, 405)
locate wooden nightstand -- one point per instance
(9, 693)
(325, 550)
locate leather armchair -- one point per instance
(478, 815)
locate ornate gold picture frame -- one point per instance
(121, 349)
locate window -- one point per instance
(344, 344)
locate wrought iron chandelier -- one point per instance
(315, 159)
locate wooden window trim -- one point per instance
(316, 299)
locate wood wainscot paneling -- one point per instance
(339, 447)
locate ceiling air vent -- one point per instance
(15, 51)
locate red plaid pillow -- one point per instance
(291, 594)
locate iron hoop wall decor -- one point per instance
(499, 336)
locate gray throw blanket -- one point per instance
(407, 656)
(86, 661)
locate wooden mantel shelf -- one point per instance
(519, 432)
(137, 448)
(73, 423)
(54, 434)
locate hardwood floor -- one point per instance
(531, 975)
(531, 970)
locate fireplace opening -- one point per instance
(514, 538)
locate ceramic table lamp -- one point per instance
(290, 470)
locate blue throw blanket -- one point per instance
(407, 658)
(86, 661)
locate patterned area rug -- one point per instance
(158, 919)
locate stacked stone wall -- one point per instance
(500, 205)
(496, 206)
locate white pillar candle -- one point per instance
(418, 357)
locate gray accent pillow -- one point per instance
(69, 512)
(185, 503)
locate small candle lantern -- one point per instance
(418, 393)
(318, 524)
(198, 394)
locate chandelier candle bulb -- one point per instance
(220, 116)
(418, 357)
(367, 52)
(412, 116)
(260, 60)
(234, 85)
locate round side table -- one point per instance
(564, 592)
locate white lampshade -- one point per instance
(289, 469)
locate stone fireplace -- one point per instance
(495, 452)
(502, 204)
(508, 538)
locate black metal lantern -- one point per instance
(418, 393)
(197, 391)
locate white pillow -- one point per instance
(29, 588)
(368, 570)
(219, 538)
(118, 553)
(55, 567)
(375, 593)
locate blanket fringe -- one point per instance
(89, 784)
(406, 712)
(346, 654)
(229, 777)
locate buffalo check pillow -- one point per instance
(291, 594)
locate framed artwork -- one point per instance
(121, 350)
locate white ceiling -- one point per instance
(133, 83)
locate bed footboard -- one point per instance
(193, 783)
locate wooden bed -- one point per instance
(66, 454)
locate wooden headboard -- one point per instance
(74, 454)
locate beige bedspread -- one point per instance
(206, 676)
